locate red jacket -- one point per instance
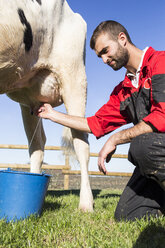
(128, 104)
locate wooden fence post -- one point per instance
(66, 176)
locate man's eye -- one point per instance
(105, 51)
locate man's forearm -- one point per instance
(76, 122)
(127, 135)
(47, 112)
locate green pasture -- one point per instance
(62, 225)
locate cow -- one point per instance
(42, 60)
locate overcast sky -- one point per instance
(145, 22)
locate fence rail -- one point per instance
(66, 168)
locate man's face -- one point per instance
(111, 52)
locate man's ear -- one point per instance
(122, 39)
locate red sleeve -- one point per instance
(157, 115)
(108, 117)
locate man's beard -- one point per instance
(120, 58)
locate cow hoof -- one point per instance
(86, 209)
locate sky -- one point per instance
(145, 22)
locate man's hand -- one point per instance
(105, 154)
(121, 137)
(45, 111)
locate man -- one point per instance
(138, 99)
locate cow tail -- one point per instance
(67, 142)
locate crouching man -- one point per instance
(138, 99)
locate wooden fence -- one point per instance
(66, 168)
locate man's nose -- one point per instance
(104, 58)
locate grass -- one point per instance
(62, 225)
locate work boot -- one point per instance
(162, 210)
(163, 185)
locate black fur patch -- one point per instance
(28, 35)
(38, 1)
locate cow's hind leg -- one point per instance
(36, 139)
(75, 106)
(81, 147)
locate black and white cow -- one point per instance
(42, 50)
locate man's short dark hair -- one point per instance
(112, 27)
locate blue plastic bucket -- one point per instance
(21, 194)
